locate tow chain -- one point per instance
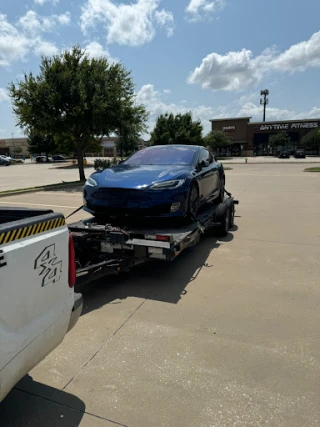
(77, 210)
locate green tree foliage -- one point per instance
(133, 119)
(17, 150)
(217, 139)
(311, 140)
(76, 99)
(279, 139)
(41, 143)
(179, 129)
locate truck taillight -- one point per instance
(163, 238)
(72, 263)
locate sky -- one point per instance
(211, 57)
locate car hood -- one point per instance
(138, 177)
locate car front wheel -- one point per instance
(221, 193)
(193, 202)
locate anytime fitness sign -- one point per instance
(287, 126)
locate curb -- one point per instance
(270, 163)
(35, 190)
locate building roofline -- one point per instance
(285, 121)
(230, 118)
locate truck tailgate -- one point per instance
(34, 294)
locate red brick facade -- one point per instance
(252, 138)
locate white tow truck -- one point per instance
(42, 260)
(38, 305)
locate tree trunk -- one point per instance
(80, 165)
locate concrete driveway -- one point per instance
(227, 335)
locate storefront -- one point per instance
(252, 139)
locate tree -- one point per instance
(279, 139)
(133, 121)
(179, 129)
(217, 139)
(311, 140)
(41, 143)
(76, 99)
(17, 150)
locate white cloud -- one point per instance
(13, 45)
(300, 56)
(46, 48)
(199, 9)
(63, 19)
(239, 70)
(17, 41)
(32, 23)
(313, 113)
(3, 95)
(167, 91)
(96, 50)
(127, 24)
(165, 19)
(249, 109)
(255, 111)
(42, 2)
(151, 98)
(232, 71)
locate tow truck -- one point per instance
(42, 259)
(108, 248)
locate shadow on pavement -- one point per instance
(156, 280)
(33, 404)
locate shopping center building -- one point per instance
(251, 138)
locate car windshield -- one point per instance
(180, 156)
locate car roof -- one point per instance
(193, 147)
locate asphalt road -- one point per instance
(226, 336)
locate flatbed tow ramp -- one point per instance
(110, 248)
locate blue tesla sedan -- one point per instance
(159, 181)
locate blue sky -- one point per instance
(208, 56)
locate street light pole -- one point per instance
(264, 101)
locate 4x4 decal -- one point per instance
(49, 266)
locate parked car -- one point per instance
(5, 161)
(159, 181)
(299, 154)
(284, 155)
(58, 158)
(42, 159)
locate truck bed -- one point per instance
(19, 223)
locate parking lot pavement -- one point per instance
(227, 335)
(271, 159)
(37, 174)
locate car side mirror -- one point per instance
(204, 163)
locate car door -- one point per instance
(207, 174)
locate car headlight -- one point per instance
(167, 185)
(91, 182)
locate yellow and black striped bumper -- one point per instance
(31, 230)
